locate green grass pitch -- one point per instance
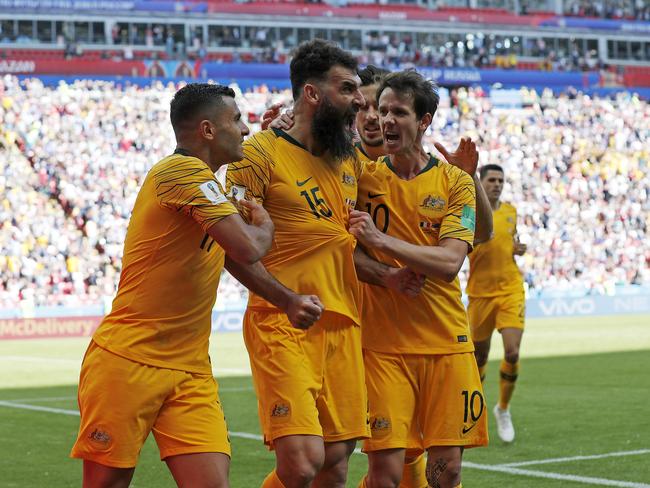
(584, 390)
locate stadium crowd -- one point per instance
(74, 158)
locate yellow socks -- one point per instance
(272, 481)
(507, 382)
(414, 474)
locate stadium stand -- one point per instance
(76, 154)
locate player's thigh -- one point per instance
(481, 313)
(97, 475)
(287, 368)
(451, 406)
(343, 402)
(392, 400)
(200, 470)
(114, 436)
(191, 420)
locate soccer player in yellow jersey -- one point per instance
(423, 383)
(371, 143)
(147, 367)
(496, 296)
(308, 371)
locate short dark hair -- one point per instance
(489, 167)
(313, 59)
(371, 75)
(193, 99)
(410, 82)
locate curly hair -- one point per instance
(371, 74)
(313, 59)
(411, 83)
(192, 101)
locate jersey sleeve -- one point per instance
(190, 187)
(460, 220)
(251, 176)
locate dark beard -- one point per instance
(331, 131)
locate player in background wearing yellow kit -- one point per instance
(423, 383)
(147, 367)
(496, 296)
(307, 371)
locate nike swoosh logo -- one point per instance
(300, 183)
(466, 430)
(375, 195)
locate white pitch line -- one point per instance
(40, 399)
(38, 408)
(484, 467)
(556, 476)
(246, 435)
(576, 458)
(62, 398)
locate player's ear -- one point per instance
(311, 94)
(425, 121)
(207, 129)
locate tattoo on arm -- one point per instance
(434, 471)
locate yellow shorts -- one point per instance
(500, 312)
(121, 401)
(418, 401)
(308, 382)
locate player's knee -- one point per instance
(444, 473)
(511, 355)
(337, 473)
(301, 470)
(384, 478)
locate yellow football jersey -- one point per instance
(438, 203)
(309, 203)
(493, 270)
(361, 154)
(162, 313)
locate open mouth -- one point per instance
(391, 137)
(372, 130)
(349, 122)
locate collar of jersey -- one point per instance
(288, 138)
(360, 148)
(433, 162)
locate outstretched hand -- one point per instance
(464, 157)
